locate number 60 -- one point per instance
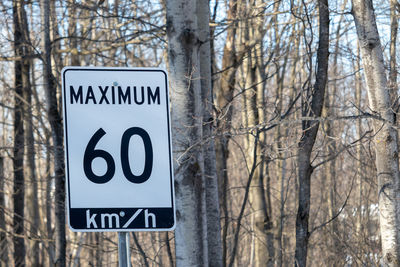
(91, 153)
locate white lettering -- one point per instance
(90, 219)
(126, 225)
(146, 219)
(110, 220)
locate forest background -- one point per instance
(283, 123)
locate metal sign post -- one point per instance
(123, 250)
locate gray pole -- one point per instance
(123, 249)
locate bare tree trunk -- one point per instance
(32, 200)
(210, 170)
(3, 237)
(281, 165)
(187, 124)
(48, 202)
(91, 256)
(57, 135)
(258, 33)
(75, 260)
(394, 24)
(32, 196)
(169, 250)
(224, 98)
(386, 146)
(360, 168)
(99, 249)
(253, 115)
(312, 108)
(57, 59)
(141, 251)
(21, 73)
(329, 189)
(330, 167)
(73, 32)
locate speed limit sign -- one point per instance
(118, 149)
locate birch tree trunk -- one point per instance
(386, 146)
(312, 108)
(187, 126)
(55, 121)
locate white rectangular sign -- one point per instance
(118, 149)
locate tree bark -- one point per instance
(170, 257)
(49, 217)
(73, 32)
(187, 126)
(3, 237)
(394, 24)
(386, 143)
(224, 97)
(361, 222)
(32, 195)
(55, 121)
(310, 130)
(252, 116)
(333, 243)
(21, 73)
(214, 245)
